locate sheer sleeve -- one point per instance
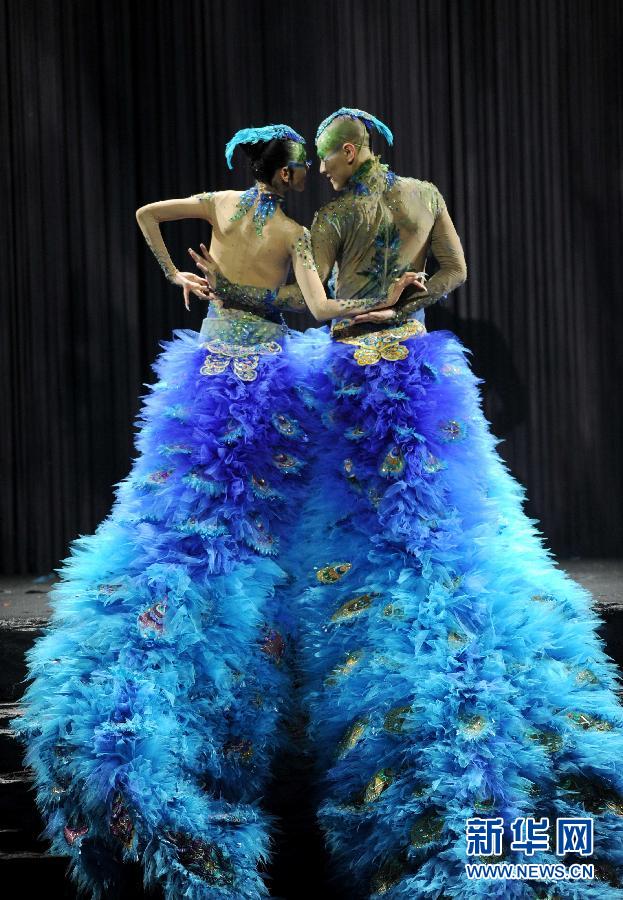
(445, 246)
(149, 217)
(325, 242)
(312, 289)
(207, 201)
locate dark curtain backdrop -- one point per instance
(512, 108)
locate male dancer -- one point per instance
(434, 679)
(380, 225)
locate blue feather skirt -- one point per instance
(343, 515)
(158, 687)
(452, 671)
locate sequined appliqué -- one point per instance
(452, 430)
(333, 572)
(267, 204)
(393, 463)
(353, 607)
(75, 835)
(287, 426)
(121, 825)
(386, 344)
(352, 736)
(345, 668)
(274, 645)
(244, 359)
(426, 830)
(204, 859)
(151, 620)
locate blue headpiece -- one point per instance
(368, 120)
(257, 135)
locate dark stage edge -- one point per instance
(300, 862)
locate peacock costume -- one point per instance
(335, 504)
(159, 684)
(454, 676)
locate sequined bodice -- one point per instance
(244, 315)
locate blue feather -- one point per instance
(263, 133)
(367, 118)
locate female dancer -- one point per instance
(158, 687)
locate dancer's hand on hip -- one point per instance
(379, 315)
(191, 284)
(206, 263)
(408, 279)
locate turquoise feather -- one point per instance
(256, 135)
(369, 120)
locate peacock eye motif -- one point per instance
(353, 607)
(393, 463)
(287, 426)
(333, 572)
(151, 620)
(452, 430)
(75, 835)
(287, 463)
(352, 736)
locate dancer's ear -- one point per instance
(350, 151)
(284, 171)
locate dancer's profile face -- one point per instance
(337, 165)
(336, 155)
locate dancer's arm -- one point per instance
(310, 284)
(446, 248)
(325, 242)
(149, 217)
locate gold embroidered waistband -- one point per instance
(386, 343)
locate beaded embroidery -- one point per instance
(352, 736)
(386, 344)
(333, 572)
(151, 620)
(303, 249)
(353, 607)
(267, 204)
(244, 359)
(204, 859)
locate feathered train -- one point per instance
(452, 670)
(158, 687)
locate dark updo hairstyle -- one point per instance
(265, 157)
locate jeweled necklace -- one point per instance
(373, 176)
(267, 203)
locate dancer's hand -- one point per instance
(206, 264)
(191, 284)
(409, 279)
(378, 315)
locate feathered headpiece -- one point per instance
(368, 120)
(257, 135)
